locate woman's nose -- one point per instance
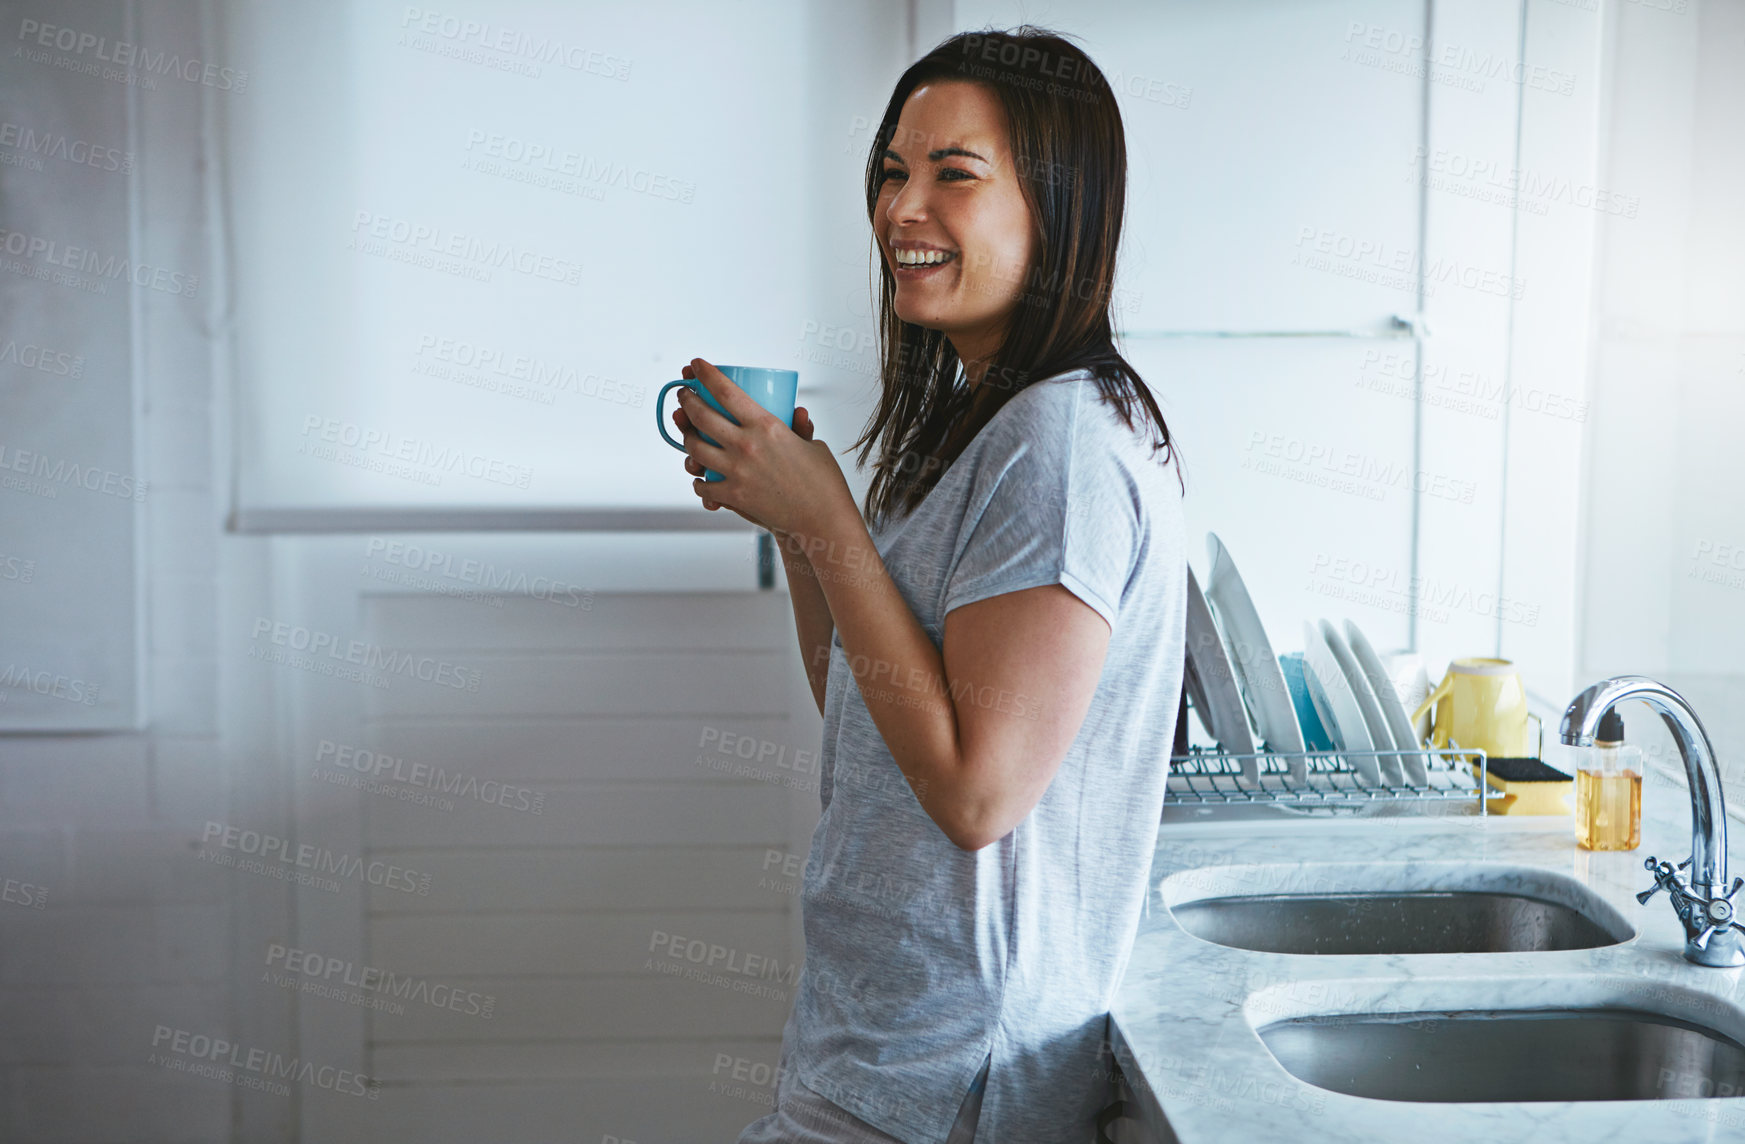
(906, 207)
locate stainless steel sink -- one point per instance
(1502, 1055)
(1395, 921)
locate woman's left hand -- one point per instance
(774, 478)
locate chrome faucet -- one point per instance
(1703, 901)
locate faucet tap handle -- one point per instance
(1720, 910)
(1719, 916)
(1664, 879)
(1703, 916)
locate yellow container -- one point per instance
(1480, 703)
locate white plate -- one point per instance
(1343, 719)
(1190, 669)
(1416, 766)
(1211, 684)
(1379, 732)
(1197, 697)
(1318, 700)
(1257, 670)
(1412, 684)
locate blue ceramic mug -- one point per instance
(774, 389)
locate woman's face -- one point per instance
(950, 186)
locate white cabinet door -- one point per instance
(579, 776)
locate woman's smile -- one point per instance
(913, 260)
(917, 271)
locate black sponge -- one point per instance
(1521, 769)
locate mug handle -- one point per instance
(1430, 700)
(660, 421)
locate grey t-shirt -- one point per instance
(923, 959)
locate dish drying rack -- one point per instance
(1332, 779)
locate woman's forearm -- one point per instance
(812, 619)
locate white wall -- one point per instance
(73, 501)
(695, 194)
(135, 931)
(1664, 571)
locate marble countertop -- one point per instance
(1183, 1021)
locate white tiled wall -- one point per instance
(1664, 575)
(134, 931)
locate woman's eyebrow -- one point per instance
(935, 156)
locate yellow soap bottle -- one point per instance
(1608, 790)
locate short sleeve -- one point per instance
(1051, 504)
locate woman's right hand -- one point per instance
(802, 425)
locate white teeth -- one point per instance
(922, 257)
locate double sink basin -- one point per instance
(1483, 1046)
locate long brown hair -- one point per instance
(1071, 157)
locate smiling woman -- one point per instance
(1004, 638)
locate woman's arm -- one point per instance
(980, 725)
(812, 617)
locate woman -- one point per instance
(998, 658)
